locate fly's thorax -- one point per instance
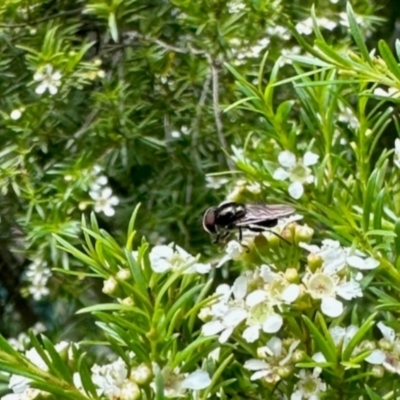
(227, 213)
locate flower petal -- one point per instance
(225, 335)
(197, 380)
(212, 328)
(273, 323)
(296, 190)
(255, 365)
(331, 307)
(280, 174)
(234, 317)
(310, 158)
(256, 297)
(349, 290)
(291, 293)
(387, 332)
(361, 263)
(377, 357)
(41, 88)
(251, 334)
(287, 159)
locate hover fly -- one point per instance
(229, 215)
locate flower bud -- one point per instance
(110, 286)
(263, 352)
(298, 356)
(384, 344)
(292, 275)
(378, 371)
(288, 235)
(142, 374)
(314, 262)
(205, 314)
(303, 233)
(124, 274)
(261, 242)
(355, 57)
(128, 301)
(273, 240)
(130, 391)
(285, 371)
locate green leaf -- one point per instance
(368, 199)
(358, 337)
(59, 368)
(85, 375)
(322, 343)
(397, 240)
(372, 395)
(131, 233)
(217, 374)
(159, 381)
(356, 33)
(112, 25)
(389, 59)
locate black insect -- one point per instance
(229, 216)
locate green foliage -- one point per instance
(107, 104)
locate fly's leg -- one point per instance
(279, 236)
(241, 239)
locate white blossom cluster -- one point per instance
(165, 258)
(102, 195)
(48, 79)
(38, 274)
(112, 381)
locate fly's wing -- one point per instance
(257, 214)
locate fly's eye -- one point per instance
(209, 220)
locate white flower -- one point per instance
(332, 254)
(164, 258)
(235, 6)
(327, 23)
(335, 257)
(234, 250)
(15, 114)
(360, 263)
(391, 92)
(305, 27)
(176, 384)
(309, 386)
(286, 53)
(112, 381)
(279, 30)
(261, 316)
(104, 201)
(38, 275)
(342, 336)
(347, 116)
(99, 183)
(396, 157)
(296, 170)
(216, 182)
(325, 286)
(197, 380)
(276, 356)
(389, 355)
(280, 290)
(229, 311)
(20, 384)
(49, 80)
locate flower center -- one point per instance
(321, 285)
(258, 314)
(299, 173)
